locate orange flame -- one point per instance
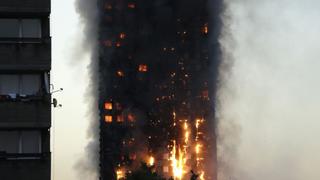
(118, 44)
(202, 176)
(130, 117)
(122, 35)
(178, 162)
(108, 106)
(198, 148)
(131, 5)
(186, 135)
(120, 118)
(108, 119)
(205, 29)
(151, 161)
(143, 68)
(120, 73)
(120, 174)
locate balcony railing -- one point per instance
(23, 156)
(23, 166)
(25, 53)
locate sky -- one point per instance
(69, 128)
(268, 100)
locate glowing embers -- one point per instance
(108, 106)
(169, 49)
(122, 35)
(118, 106)
(164, 98)
(205, 95)
(107, 43)
(131, 117)
(108, 118)
(173, 74)
(120, 119)
(118, 44)
(143, 68)
(131, 5)
(132, 156)
(205, 29)
(108, 6)
(120, 73)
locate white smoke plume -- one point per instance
(269, 100)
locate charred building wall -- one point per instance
(158, 64)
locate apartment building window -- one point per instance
(22, 84)
(20, 28)
(20, 142)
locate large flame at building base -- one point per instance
(185, 154)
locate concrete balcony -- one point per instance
(35, 113)
(25, 54)
(20, 167)
(25, 6)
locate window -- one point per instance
(20, 142)
(9, 141)
(108, 119)
(143, 68)
(108, 106)
(9, 28)
(131, 5)
(25, 84)
(20, 28)
(30, 28)
(30, 142)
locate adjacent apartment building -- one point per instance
(25, 99)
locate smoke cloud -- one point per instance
(88, 166)
(269, 90)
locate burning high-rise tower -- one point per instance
(158, 65)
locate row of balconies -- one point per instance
(25, 54)
(16, 6)
(32, 168)
(26, 114)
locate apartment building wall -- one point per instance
(25, 99)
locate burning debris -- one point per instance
(157, 88)
(143, 68)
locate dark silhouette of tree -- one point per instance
(146, 172)
(194, 176)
